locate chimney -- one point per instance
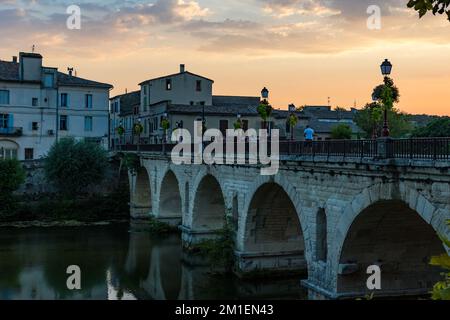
(70, 71)
(182, 68)
(14, 59)
(30, 66)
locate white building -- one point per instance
(39, 105)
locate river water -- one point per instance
(118, 262)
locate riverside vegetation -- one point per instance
(73, 168)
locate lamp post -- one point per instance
(386, 69)
(139, 135)
(265, 97)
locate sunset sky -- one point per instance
(304, 51)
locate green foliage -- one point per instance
(161, 228)
(379, 92)
(165, 124)
(293, 120)
(265, 110)
(121, 131)
(342, 131)
(12, 175)
(434, 6)
(441, 290)
(238, 124)
(370, 119)
(138, 129)
(131, 162)
(220, 251)
(436, 128)
(72, 166)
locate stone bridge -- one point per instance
(327, 218)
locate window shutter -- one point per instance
(68, 100)
(67, 121)
(11, 121)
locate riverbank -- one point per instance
(52, 224)
(56, 210)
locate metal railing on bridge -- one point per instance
(414, 148)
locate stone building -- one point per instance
(39, 105)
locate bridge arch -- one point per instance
(208, 208)
(141, 201)
(391, 227)
(273, 233)
(170, 199)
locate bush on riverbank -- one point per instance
(94, 208)
(73, 166)
(12, 175)
(219, 251)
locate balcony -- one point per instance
(11, 132)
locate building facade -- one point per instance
(185, 98)
(39, 105)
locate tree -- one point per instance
(370, 120)
(436, 128)
(265, 111)
(342, 131)
(388, 82)
(73, 166)
(12, 175)
(435, 6)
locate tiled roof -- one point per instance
(326, 127)
(66, 80)
(9, 71)
(235, 100)
(329, 114)
(225, 110)
(176, 75)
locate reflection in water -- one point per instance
(116, 263)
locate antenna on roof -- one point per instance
(126, 90)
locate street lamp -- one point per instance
(386, 69)
(265, 93)
(139, 134)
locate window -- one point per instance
(88, 101)
(64, 100)
(4, 96)
(199, 85)
(63, 123)
(34, 102)
(88, 124)
(245, 125)
(34, 126)
(168, 84)
(116, 107)
(48, 80)
(4, 121)
(145, 90)
(191, 103)
(202, 103)
(6, 153)
(223, 125)
(29, 154)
